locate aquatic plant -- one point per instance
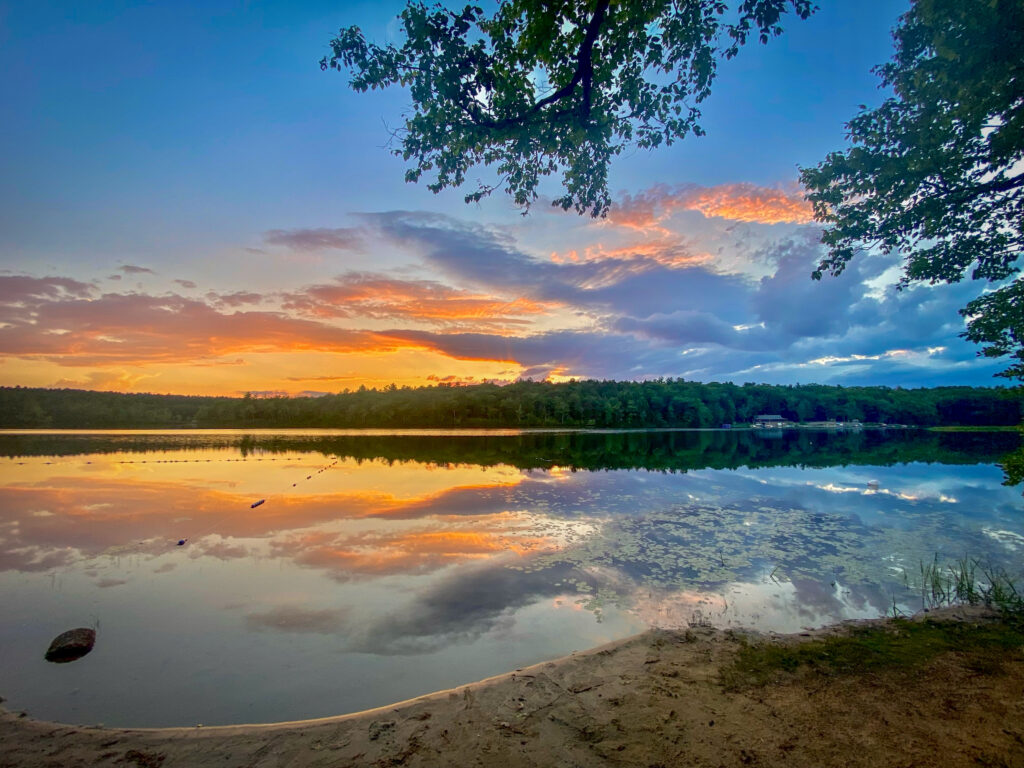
(959, 584)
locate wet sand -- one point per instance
(653, 700)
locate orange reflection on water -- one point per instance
(346, 517)
(403, 552)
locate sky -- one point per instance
(189, 205)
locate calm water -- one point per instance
(383, 566)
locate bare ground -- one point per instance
(655, 700)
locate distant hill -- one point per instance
(659, 403)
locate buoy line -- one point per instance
(258, 503)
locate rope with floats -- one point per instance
(258, 503)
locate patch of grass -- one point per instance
(961, 584)
(899, 644)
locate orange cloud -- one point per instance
(746, 202)
(738, 202)
(117, 380)
(647, 213)
(60, 321)
(667, 251)
(374, 296)
(407, 552)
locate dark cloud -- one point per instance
(637, 286)
(22, 288)
(186, 284)
(459, 608)
(320, 239)
(589, 354)
(791, 303)
(235, 299)
(692, 321)
(132, 269)
(690, 327)
(107, 583)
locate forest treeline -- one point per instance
(610, 404)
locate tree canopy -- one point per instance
(661, 403)
(546, 87)
(936, 173)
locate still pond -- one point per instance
(385, 565)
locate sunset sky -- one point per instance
(189, 205)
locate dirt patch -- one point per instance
(659, 699)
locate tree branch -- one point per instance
(584, 74)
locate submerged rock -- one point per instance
(71, 645)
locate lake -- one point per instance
(384, 565)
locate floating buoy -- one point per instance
(256, 503)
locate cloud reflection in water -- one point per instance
(391, 560)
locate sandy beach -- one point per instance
(656, 699)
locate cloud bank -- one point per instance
(706, 285)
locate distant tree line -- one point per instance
(608, 404)
(582, 450)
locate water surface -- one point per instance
(386, 565)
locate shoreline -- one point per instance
(651, 699)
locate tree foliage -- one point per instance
(661, 403)
(936, 173)
(543, 87)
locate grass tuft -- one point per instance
(901, 643)
(960, 584)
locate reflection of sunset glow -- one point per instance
(349, 516)
(417, 551)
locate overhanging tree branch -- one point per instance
(627, 74)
